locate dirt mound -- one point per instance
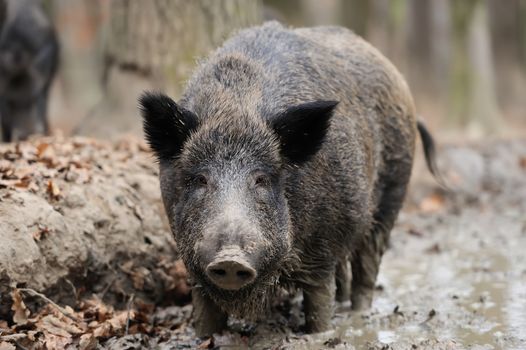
(79, 216)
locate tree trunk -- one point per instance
(483, 108)
(522, 28)
(355, 15)
(154, 45)
(472, 91)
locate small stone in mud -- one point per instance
(397, 311)
(432, 314)
(332, 342)
(415, 232)
(435, 249)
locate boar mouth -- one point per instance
(250, 301)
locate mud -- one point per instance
(83, 216)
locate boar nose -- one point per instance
(231, 273)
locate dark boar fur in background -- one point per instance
(3, 13)
(288, 155)
(28, 62)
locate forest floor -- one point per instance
(453, 278)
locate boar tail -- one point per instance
(430, 153)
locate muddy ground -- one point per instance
(453, 278)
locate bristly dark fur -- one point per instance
(30, 52)
(3, 14)
(166, 125)
(430, 153)
(302, 129)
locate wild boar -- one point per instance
(28, 61)
(289, 152)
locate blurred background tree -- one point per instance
(465, 60)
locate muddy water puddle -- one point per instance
(460, 286)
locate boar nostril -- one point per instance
(244, 274)
(219, 272)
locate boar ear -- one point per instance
(302, 129)
(166, 125)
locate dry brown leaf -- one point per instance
(3, 325)
(21, 314)
(139, 276)
(23, 183)
(180, 276)
(56, 342)
(8, 183)
(5, 165)
(7, 346)
(207, 344)
(104, 330)
(31, 335)
(95, 308)
(118, 321)
(88, 342)
(53, 190)
(14, 337)
(41, 148)
(433, 203)
(23, 172)
(26, 150)
(42, 232)
(53, 325)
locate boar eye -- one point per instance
(262, 180)
(200, 180)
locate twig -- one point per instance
(74, 289)
(49, 301)
(129, 311)
(13, 337)
(21, 346)
(108, 286)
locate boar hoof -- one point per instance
(361, 299)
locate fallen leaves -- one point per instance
(7, 346)
(53, 190)
(90, 323)
(41, 232)
(62, 327)
(88, 342)
(433, 203)
(48, 164)
(21, 313)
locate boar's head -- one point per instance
(223, 183)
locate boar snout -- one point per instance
(230, 270)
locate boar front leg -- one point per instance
(208, 317)
(318, 304)
(343, 280)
